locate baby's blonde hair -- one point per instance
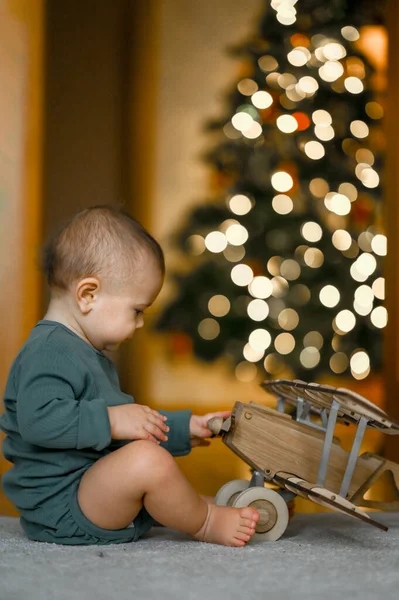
(99, 241)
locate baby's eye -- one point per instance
(139, 312)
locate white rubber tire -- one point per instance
(227, 493)
(250, 496)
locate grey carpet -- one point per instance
(323, 556)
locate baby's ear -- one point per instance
(86, 293)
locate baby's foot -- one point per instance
(228, 526)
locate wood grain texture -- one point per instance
(273, 443)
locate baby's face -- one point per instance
(118, 309)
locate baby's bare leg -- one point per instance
(115, 488)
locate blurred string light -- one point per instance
(286, 11)
(330, 65)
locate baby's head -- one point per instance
(104, 269)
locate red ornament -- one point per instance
(302, 119)
(180, 344)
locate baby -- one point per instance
(90, 466)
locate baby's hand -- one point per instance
(199, 427)
(137, 422)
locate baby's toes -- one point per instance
(242, 536)
(250, 523)
(247, 530)
(249, 513)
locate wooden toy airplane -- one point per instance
(300, 454)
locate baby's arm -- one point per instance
(48, 411)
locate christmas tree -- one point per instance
(282, 269)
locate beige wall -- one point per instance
(194, 72)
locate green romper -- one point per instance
(56, 425)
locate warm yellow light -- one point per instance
(334, 51)
(258, 310)
(253, 132)
(366, 264)
(234, 253)
(374, 110)
(282, 181)
(362, 309)
(354, 85)
(219, 305)
(247, 87)
(369, 178)
(350, 33)
(282, 204)
(329, 296)
(348, 190)
(313, 338)
(310, 357)
(262, 99)
(314, 150)
(359, 362)
(331, 71)
(311, 231)
(379, 317)
(325, 133)
(364, 295)
(363, 155)
(319, 187)
(209, 329)
(313, 257)
(251, 354)
(240, 204)
(359, 129)
(284, 343)
(280, 287)
(290, 269)
(242, 275)
(339, 362)
(345, 321)
(287, 123)
(294, 93)
(260, 339)
(379, 244)
(378, 288)
(288, 319)
(236, 235)
(242, 121)
(216, 241)
(308, 85)
(286, 80)
(341, 239)
(299, 56)
(321, 117)
(196, 244)
(338, 203)
(260, 287)
(267, 63)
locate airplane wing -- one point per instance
(319, 398)
(323, 496)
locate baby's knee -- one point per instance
(149, 457)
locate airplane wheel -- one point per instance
(229, 492)
(273, 511)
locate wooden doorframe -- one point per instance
(391, 201)
(22, 270)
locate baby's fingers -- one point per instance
(155, 431)
(155, 420)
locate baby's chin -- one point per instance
(113, 346)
